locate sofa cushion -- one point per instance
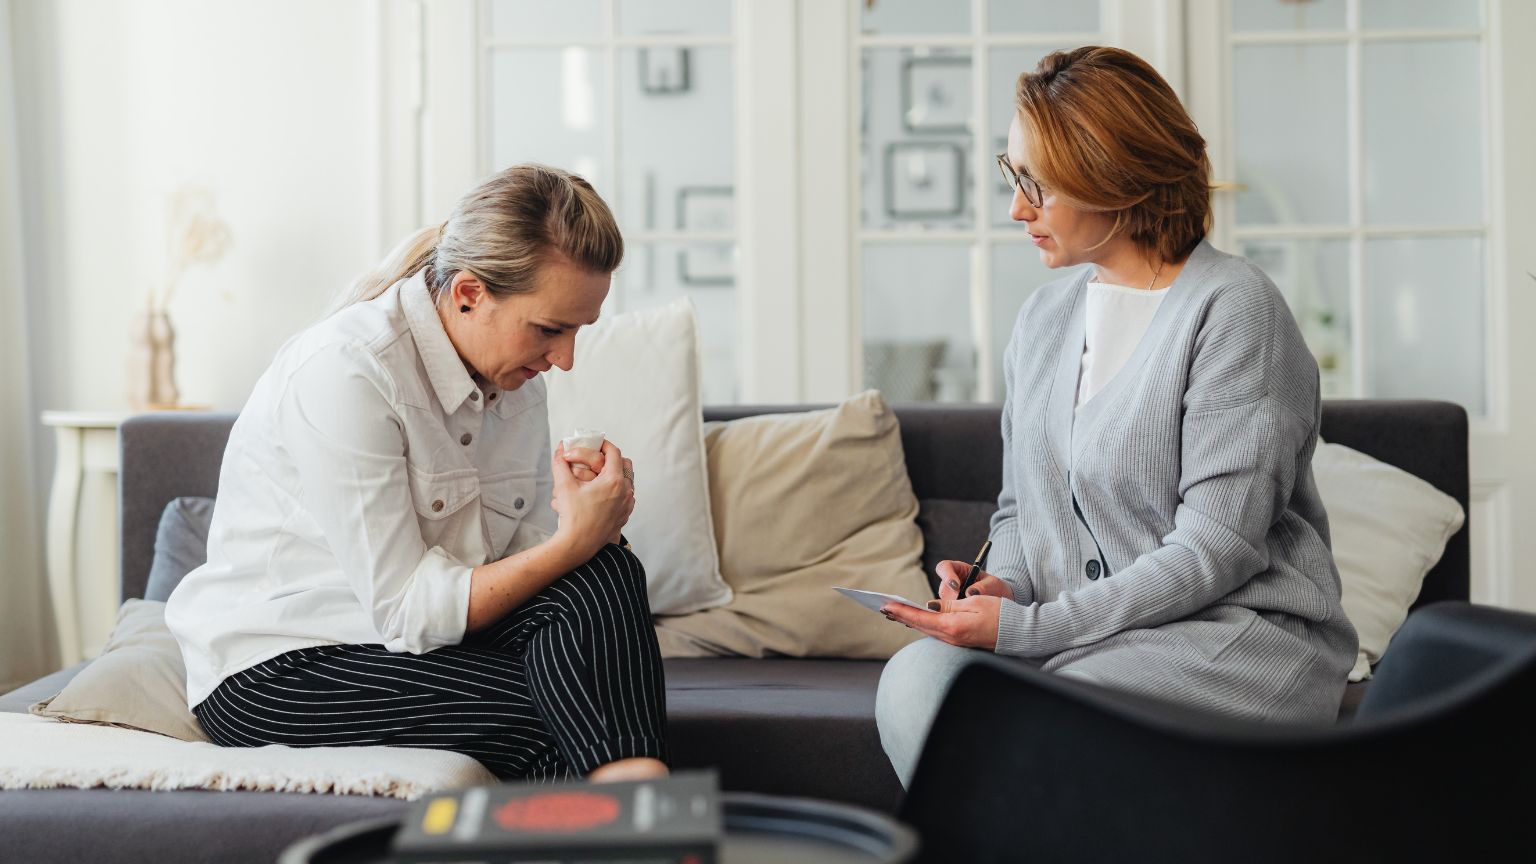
(181, 544)
(138, 682)
(637, 380)
(1388, 529)
(804, 502)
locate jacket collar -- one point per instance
(449, 378)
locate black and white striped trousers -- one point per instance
(570, 680)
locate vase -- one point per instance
(152, 361)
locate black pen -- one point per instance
(981, 561)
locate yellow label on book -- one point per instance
(439, 816)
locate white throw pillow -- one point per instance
(1389, 529)
(636, 379)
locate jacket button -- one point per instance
(1093, 569)
(474, 395)
(466, 438)
(518, 504)
(491, 396)
(437, 506)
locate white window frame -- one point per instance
(1210, 60)
(831, 237)
(796, 163)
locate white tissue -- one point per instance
(589, 439)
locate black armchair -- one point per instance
(1023, 766)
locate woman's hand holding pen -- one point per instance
(952, 573)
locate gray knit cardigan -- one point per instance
(1167, 538)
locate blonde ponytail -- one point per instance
(408, 256)
(502, 232)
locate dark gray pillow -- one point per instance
(181, 545)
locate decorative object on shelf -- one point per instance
(706, 208)
(195, 235)
(935, 94)
(664, 71)
(924, 180)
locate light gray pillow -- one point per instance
(181, 545)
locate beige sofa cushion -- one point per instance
(138, 682)
(803, 502)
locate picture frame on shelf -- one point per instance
(712, 209)
(924, 180)
(936, 94)
(665, 70)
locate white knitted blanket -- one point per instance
(42, 753)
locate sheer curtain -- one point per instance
(24, 651)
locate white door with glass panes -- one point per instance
(639, 97)
(1377, 153)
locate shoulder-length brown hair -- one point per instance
(1104, 130)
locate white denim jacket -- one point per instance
(364, 479)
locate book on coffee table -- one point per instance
(674, 819)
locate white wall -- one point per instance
(271, 105)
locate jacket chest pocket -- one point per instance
(442, 506)
(505, 501)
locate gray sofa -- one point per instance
(795, 727)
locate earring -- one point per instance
(464, 309)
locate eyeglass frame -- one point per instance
(1017, 178)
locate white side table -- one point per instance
(85, 598)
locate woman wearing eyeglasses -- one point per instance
(1158, 531)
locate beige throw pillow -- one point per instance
(138, 682)
(803, 502)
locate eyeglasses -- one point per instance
(1020, 180)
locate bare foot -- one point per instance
(635, 768)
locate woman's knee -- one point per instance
(912, 686)
(612, 566)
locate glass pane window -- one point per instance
(1421, 14)
(916, 144)
(1042, 16)
(654, 274)
(551, 105)
(539, 19)
(1423, 124)
(913, 17)
(673, 181)
(1271, 15)
(649, 119)
(694, 17)
(1291, 121)
(1360, 154)
(917, 322)
(1424, 305)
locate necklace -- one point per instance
(1156, 274)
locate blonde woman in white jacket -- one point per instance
(386, 564)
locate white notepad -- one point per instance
(874, 599)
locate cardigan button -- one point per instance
(1093, 569)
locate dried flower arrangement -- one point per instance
(195, 235)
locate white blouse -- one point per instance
(365, 478)
(1117, 317)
